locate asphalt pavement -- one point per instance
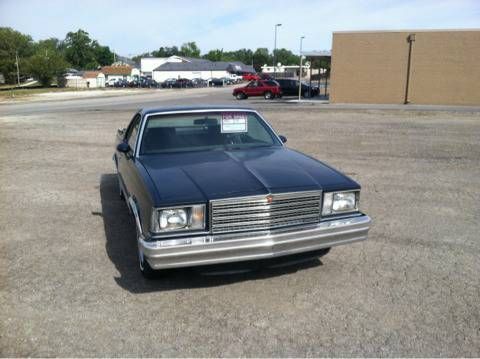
(69, 284)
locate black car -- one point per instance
(183, 83)
(211, 185)
(147, 82)
(121, 83)
(290, 88)
(168, 83)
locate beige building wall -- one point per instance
(371, 67)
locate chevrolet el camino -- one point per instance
(213, 185)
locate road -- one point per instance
(69, 284)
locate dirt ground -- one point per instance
(69, 284)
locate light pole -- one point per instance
(300, 73)
(274, 50)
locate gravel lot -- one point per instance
(69, 284)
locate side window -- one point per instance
(132, 131)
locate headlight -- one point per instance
(178, 219)
(340, 202)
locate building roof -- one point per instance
(117, 70)
(205, 65)
(320, 53)
(91, 74)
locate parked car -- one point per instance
(110, 82)
(183, 83)
(147, 82)
(227, 80)
(198, 82)
(250, 77)
(267, 89)
(290, 88)
(168, 83)
(217, 185)
(235, 78)
(121, 83)
(215, 82)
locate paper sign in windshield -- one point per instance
(234, 123)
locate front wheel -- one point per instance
(268, 95)
(240, 96)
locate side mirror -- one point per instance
(283, 138)
(123, 147)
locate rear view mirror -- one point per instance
(123, 147)
(283, 138)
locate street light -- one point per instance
(300, 73)
(275, 49)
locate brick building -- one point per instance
(417, 66)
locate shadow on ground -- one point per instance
(121, 248)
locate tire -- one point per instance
(306, 94)
(240, 96)
(268, 95)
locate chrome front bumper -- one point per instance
(212, 249)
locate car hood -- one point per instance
(195, 177)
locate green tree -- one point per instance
(166, 51)
(14, 43)
(214, 55)
(286, 57)
(47, 64)
(261, 56)
(102, 54)
(79, 50)
(190, 49)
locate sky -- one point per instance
(133, 27)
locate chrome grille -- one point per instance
(265, 212)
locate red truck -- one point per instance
(269, 89)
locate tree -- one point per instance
(214, 55)
(79, 50)
(190, 49)
(286, 57)
(261, 57)
(166, 52)
(47, 64)
(13, 43)
(102, 54)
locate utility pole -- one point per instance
(300, 73)
(275, 50)
(18, 70)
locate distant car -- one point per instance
(168, 83)
(235, 78)
(290, 88)
(216, 82)
(268, 89)
(227, 81)
(183, 83)
(121, 83)
(110, 82)
(198, 82)
(266, 77)
(210, 185)
(250, 77)
(147, 82)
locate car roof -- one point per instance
(147, 111)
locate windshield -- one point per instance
(205, 131)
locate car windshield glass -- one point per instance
(205, 131)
